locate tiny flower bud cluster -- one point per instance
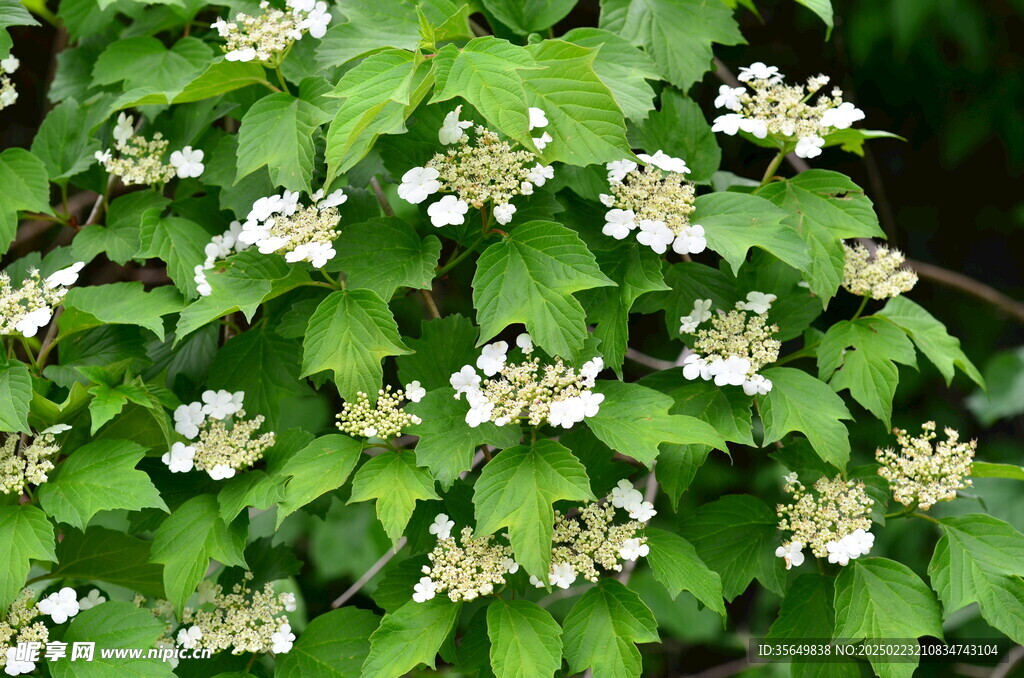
(29, 464)
(219, 247)
(878, 276)
(921, 473)
(466, 568)
(474, 173)
(30, 307)
(556, 393)
(8, 94)
(241, 621)
(141, 160)
(657, 199)
(783, 111)
(832, 520)
(218, 450)
(736, 345)
(385, 419)
(268, 36)
(304, 233)
(19, 627)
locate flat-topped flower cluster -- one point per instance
(384, 419)
(28, 463)
(268, 37)
(769, 107)
(879, 274)
(278, 223)
(141, 160)
(554, 393)
(464, 568)
(923, 473)
(832, 520)
(26, 309)
(8, 93)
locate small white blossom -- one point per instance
(221, 472)
(618, 223)
(665, 162)
(465, 380)
(618, 169)
(728, 123)
(755, 126)
(180, 459)
(188, 162)
(538, 118)
(696, 367)
(624, 494)
(189, 638)
(244, 54)
(425, 590)
(759, 71)
(316, 21)
(15, 666)
(448, 211)
(655, 234)
(222, 404)
(60, 606)
(842, 116)
(542, 141)
(492, 358)
(283, 639)
(701, 312)
(562, 575)
(632, 549)
(188, 419)
(418, 184)
(11, 64)
(451, 128)
(65, 277)
(793, 554)
(729, 97)
(690, 240)
(124, 129)
(592, 368)
(442, 526)
(731, 371)
(591, 402)
(414, 391)
(503, 213)
(335, 199)
(55, 429)
(539, 174)
(757, 385)
(92, 600)
(525, 342)
(642, 512)
(33, 321)
(606, 199)
(809, 147)
(288, 600)
(758, 302)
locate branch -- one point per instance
(656, 363)
(723, 670)
(382, 199)
(369, 574)
(1013, 657)
(970, 286)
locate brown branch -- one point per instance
(970, 286)
(369, 574)
(1013, 658)
(382, 199)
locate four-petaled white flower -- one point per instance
(793, 554)
(60, 606)
(188, 162)
(465, 380)
(492, 358)
(618, 169)
(221, 472)
(16, 666)
(222, 404)
(728, 123)
(92, 600)
(33, 321)
(618, 223)
(56, 429)
(729, 97)
(538, 118)
(442, 526)
(729, 372)
(448, 211)
(539, 174)
(642, 511)
(525, 342)
(180, 459)
(11, 63)
(188, 419)
(842, 116)
(755, 126)
(562, 575)
(591, 402)
(288, 600)
(809, 147)
(690, 240)
(124, 129)
(335, 199)
(542, 141)
(247, 54)
(700, 313)
(503, 213)
(624, 494)
(316, 253)
(696, 367)
(65, 277)
(418, 184)
(190, 637)
(592, 368)
(632, 549)
(759, 71)
(451, 128)
(282, 640)
(606, 199)
(424, 590)
(414, 391)
(317, 20)
(665, 162)
(758, 302)
(757, 385)
(655, 234)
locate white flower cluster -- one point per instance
(219, 247)
(556, 393)
(269, 36)
(580, 545)
(304, 233)
(880, 275)
(217, 449)
(27, 464)
(18, 627)
(655, 201)
(487, 170)
(736, 346)
(832, 520)
(8, 94)
(783, 111)
(466, 568)
(383, 420)
(242, 621)
(922, 473)
(30, 307)
(140, 160)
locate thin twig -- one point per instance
(428, 299)
(975, 288)
(649, 361)
(382, 199)
(1013, 657)
(723, 670)
(369, 574)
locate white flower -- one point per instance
(793, 553)
(283, 639)
(448, 211)
(837, 552)
(15, 666)
(206, 592)
(566, 413)
(755, 126)
(317, 20)
(336, 198)
(11, 63)
(562, 575)
(92, 600)
(288, 600)
(56, 429)
(369, 431)
(809, 147)
(729, 372)
(418, 184)
(269, 245)
(479, 411)
(316, 253)
(624, 494)
(536, 582)
(221, 472)
(247, 54)
(618, 223)
(655, 234)
(124, 129)
(642, 511)
(32, 321)
(606, 199)
(696, 367)
(263, 209)
(592, 368)
(758, 302)
(414, 391)
(591, 403)
(465, 380)
(632, 549)
(289, 203)
(542, 141)
(451, 128)
(188, 419)
(618, 169)
(759, 71)
(503, 213)
(757, 385)
(180, 459)
(526, 188)
(729, 97)
(539, 174)
(102, 157)
(65, 277)
(728, 123)
(690, 240)
(538, 118)
(841, 117)
(525, 342)
(442, 526)
(188, 162)
(188, 638)
(222, 404)
(858, 543)
(492, 358)
(665, 162)
(701, 312)
(60, 606)
(424, 590)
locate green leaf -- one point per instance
(728, 410)
(396, 483)
(447, 442)
(16, 394)
(26, 534)
(187, 540)
(736, 536)
(102, 554)
(63, 143)
(26, 187)
(277, 131)
(634, 420)
(350, 333)
(516, 490)
(623, 68)
(852, 139)
(799, 402)
(100, 476)
(678, 567)
(123, 303)
(827, 207)
(144, 63)
(112, 625)
(980, 559)
(529, 16)
(735, 222)
(680, 130)
(119, 239)
(220, 78)
(108, 401)
(861, 355)
(444, 346)
(526, 642)
(807, 613)
(931, 338)
(1004, 374)
(12, 13)
(384, 254)
(677, 33)
(529, 277)
(823, 8)
(983, 469)
(332, 646)
(410, 636)
(320, 467)
(690, 281)
(176, 241)
(602, 627)
(583, 118)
